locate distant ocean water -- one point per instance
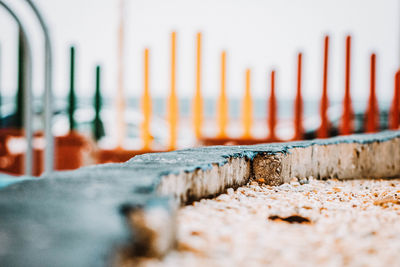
(159, 126)
(85, 111)
(260, 106)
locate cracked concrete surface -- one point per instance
(84, 217)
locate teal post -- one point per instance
(98, 128)
(1, 103)
(72, 96)
(19, 109)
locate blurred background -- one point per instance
(257, 35)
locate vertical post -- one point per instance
(48, 87)
(222, 116)
(346, 125)
(173, 99)
(48, 83)
(121, 127)
(72, 97)
(272, 107)
(146, 105)
(198, 101)
(27, 69)
(1, 103)
(25, 92)
(23, 115)
(323, 131)
(394, 117)
(98, 128)
(247, 109)
(21, 90)
(298, 104)
(372, 113)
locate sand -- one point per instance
(301, 223)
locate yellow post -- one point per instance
(222, 115)
(173, 100)
(146, 106)
(121, 127)
(198, 100)
(247, 112)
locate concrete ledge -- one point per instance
(377, 159)
(188, 186)
(74, 218)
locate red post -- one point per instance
(272, 109)
(298, 104)
(346, 125)
(323, 131)
(394, 116)
(372, 113)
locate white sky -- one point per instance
(259, 34)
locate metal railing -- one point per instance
(28, 96)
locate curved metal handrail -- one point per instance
(48, 80)
(48, 105)
(28, 92)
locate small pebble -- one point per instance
(230, 191)
(303, 181)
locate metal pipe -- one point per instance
(71, 97)
(346, 125)
(27, 121)
(27, 103)
(323, 131)
(1, 103)
(298, 104)
(48, 85)
(272, 110)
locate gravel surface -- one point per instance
(304, 223)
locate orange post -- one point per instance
(394, 122)
(272, 110)
(298, 104)
(247, 113)
(346, 125)
(323, 131)
(173, 99)
(372, 113)
(146, 105)
(222, 116)
(198, 100)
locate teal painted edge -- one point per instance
(6, 180)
